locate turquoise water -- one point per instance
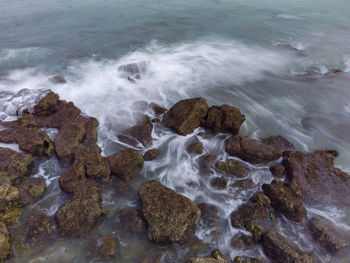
(251, 54)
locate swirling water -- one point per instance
(255, 55)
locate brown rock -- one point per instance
(244, 259)
(219, 182)
(131, 221)
(277, 170)
(4, 242)
(47, 105)
(217, 254)
(38, 229)
(242, 242)
(195, 148)
(142, 131)
(8, 192)
(151, 155)
(157, 110)
(206, 162)
(245, 183)
(209, 215)
(203, 260)
(103, 248)
(59, 79)
(170, 217)
(232, 167)
(31, 189)
(278, 142)
(185, 116)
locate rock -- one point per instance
(206, 162)
(209, 215)
(103, 248)
(131, 221)
(195, 148)
(244, 259)
(31, 189)
(242, 242)
(314, 177)
(251, 150)
(59, 252)
(134, 69)
(73, 178)
(47, 105)
(126, 164)
(157, 110)
(224, 119)
(217, 254)
(326, 235)
(185, 116)
(9, 213)
(256, 230)
(278, 142)
(203, 260)
(91, 136)
(277, 170)
(14, 165)
(262, 199)
(59, 79)
(155, 120)
(4, 242)
(245, 183)
(151, 155)
(8, 192)
(142, 131)
(79, 214)
(170, 217)
(38, 229)
(281, 250)
(232, 167)
(219, 182)
(285, 200)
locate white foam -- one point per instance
(347, 63)
(12, 146)
(288, 16)
(25, 55)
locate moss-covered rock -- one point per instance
(39, 228)
(195, 148)
(245, 259)
(4, 242)
(130, 220)
(277, 170)
(209, 214)
(103, 248)
(8, 192)
(242, 242)
(232, 167)
(47, 105)
(245, 183)
(142, 130)
(150, 155)
(219, 182)
(31, 189)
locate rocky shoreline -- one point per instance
(168, 217)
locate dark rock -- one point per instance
(206, 162)
(244, 259)
(4, 242)
(195, 148)
(151, 155)
(14, 165)
(157, 110)
(134, 69)
(225, 119)
(232, 167)
(155, 120)
(47, 105)
(31, 189)
(326, 235)
(281, 250)
(59, 79)
(103, 248)
(314, 177)
(185, 116)
(251, 150)
(262, 199)
(277, 170)
(285, 200)
(38, 229)
(209, 215)
(142, 130)
(91, 135)
(126, 164)
(203, 260)
(242, 242)
(219, 182)
(131, 221)
(170, 217)
(278, 142)
(245, 183)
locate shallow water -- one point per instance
(224, 51)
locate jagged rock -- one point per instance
(151, 155)
(244, 259)
(277, 170)
(185, 116)
(281, 250)
(232, 167)
(195, 148)
(103, 248)
(38, 228)
(142, 131)
(14, 165)
(203, 260)
(242, 242)
(59, 79)
(251, 150)
(131, 221)
(170, 217)
(326, 235)
(314, 177)
(4, 242)
(262, 199)
(157, 110)
(8, 192)
(245, 183)
(91, 135)
(126, 164)
(47, 105)
(278, 142)
(225, 119)
(285, 200)
(31, 189)
(209, 215)
(79, 214)
(219, 182)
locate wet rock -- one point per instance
(155, 120)
(314, 177)
(59, 79)
(278, 142)
(251, 150)
(79, 214)
(91, 135)
(203, 260)
(209, 215)
(256, 230)
(262, 199)
(219, 182)
(232, 167)
(8, 192)
(281, 250)
(195, 148)
(153, 256)
(131, 221)
(103, 248)
(217, 254)
(151, 155)
(126, 164)
(206, 162)
(73, 178)
(277, 170)
(245, 183)
(170, 217)
(59, 253)
(285, 200)
(185, 116)
(244, 259)
(38, 229)
(4, 242)
(142, 131)
(14, 165)
(242, 242)
(326, 235)
(157, 110)
(225, 119)
(31, 189)
(47, 105)
(134, 69)
(10, 212)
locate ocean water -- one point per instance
(272, 59)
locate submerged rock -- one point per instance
(204, 260)
(206, 162)
(126, 164)
(59, 79)
(285, 200)
(245, 183)
(170, 217)
(242, 242)
(151, 155)
(209, 214)
(232, 167)
(327, 235)
(244, 259)
(142, 130)
(195, 148)
(251, 150)
(131, 221)
(4, 242)
(157, 110)
(38, 229)
(31, 189)
(185, 116)
(281, 250)
(219, 182)
(278, 142)
(103, 248)
(225, 119)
